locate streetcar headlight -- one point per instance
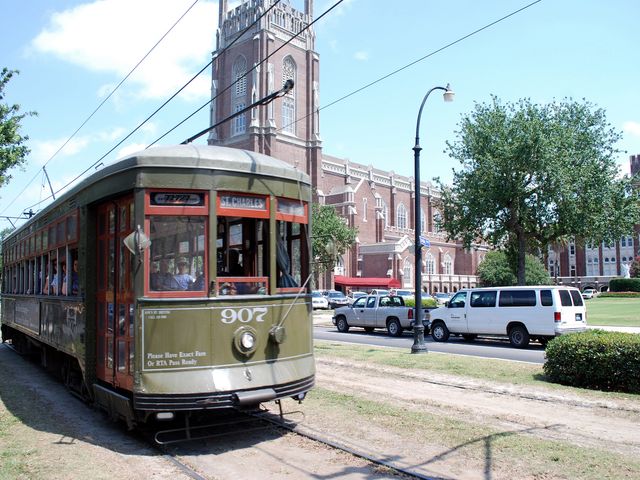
(245, 340)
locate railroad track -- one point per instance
(241, 423)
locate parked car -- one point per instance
(588, 293)
(402, 292)
(519, 313)
(336, 299)
(379, 291)
(376, 311)
(442, 297)
(353, 296)
(319, 301)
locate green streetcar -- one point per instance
(170, 282)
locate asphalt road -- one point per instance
(481, 347)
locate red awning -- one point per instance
(372, 282)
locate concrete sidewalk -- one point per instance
(615, 329)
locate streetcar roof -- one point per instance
(190, 156)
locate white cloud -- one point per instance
(112, 36)
(361, 55)
(43, 150)
(632, 128)
(129, 149)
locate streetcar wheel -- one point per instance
(439, 332)
(341, 323)
(518, 336)
(394, 328)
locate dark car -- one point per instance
(336, 299)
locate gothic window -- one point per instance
(239, 72)
(289, 100)
(380, 203)
(448, 265)
(423, 224)
(430, 264)
(401, 216)
(364, 209)
(407, 270)
(437, 221)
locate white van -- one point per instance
(520, 313)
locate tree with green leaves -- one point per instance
(533, 175)
(496, 270)
(13, 151)
(330, 238)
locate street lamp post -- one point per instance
(419, 346)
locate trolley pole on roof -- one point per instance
(49, 182)
(286, 88)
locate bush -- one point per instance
(619, 295)
(426, 302)
(595, 359)
(624, 285)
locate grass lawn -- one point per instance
(618, 312)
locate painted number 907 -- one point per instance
(243, 315)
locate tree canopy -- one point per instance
(13, 151)
(533, 175)
(331, 237)
(496, 270)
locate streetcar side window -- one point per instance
(177, 253)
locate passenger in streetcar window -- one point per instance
(183, 279)
(161, 280)
(235, 267)
(75, 280)
(199, 283)
(63, 278)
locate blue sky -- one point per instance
(71, 53)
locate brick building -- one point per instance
(594, 265)
(379, 203)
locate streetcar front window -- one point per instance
(177, 253)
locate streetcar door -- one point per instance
(115, 295)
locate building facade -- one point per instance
(378, 203)
(594, 265)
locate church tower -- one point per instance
(250, 64)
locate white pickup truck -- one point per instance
(375, 311)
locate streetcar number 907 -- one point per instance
(243, 315)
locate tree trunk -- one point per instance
(522, 252)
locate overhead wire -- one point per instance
(141, 124)
(246, 73)
(384, 77)
(434, 52)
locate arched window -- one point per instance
(430, 264)
(239, 100)
(364, 209)
(401, 216)
(407, 269)
(437, 221)
(448, 265)
(289, 100)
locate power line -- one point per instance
(102, 103)
(438, 50)
(246, 73)
(157, 109)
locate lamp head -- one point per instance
(448, 94)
